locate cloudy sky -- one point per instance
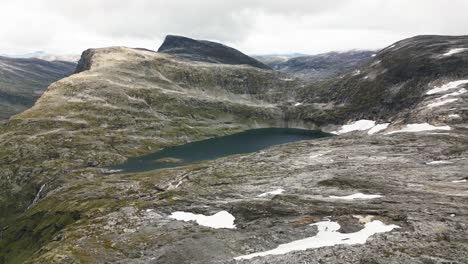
(253, 26)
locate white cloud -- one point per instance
(255, 26)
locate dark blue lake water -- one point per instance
(244, 142)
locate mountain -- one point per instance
(61, 203)
(53, 57)
(22, 81)
(400, 76)
(45, 56)
(25, 55)
(207, 51)
(320, 66)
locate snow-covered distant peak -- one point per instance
(51, 57)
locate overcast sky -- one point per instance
(253, 26)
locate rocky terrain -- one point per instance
(399, 167)
(320, 66)
(23, 80)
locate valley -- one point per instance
(398, 159)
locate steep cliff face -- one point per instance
(207, 51)
(22, 81)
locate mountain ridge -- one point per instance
(208, 51)
(22, 81)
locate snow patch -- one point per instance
(275, 192)
(357, 196)
(440, 103)
(222, 219)
(460, 92)
(419, 128)
(373, 55)
(455, 51)
(359, 125)
(327, 236)
(297, 104)
(454, 116)
(459, 181)
(446, 87)
(378, 128)
(438, 162)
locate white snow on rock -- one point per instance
(460, 92)
(275, 192)
(378, 128)
(448, 86)
(419, 128)
(459, 181)
(373, 55)
(360, 196)
(454, 116)
(359, 125)
(438, 162)
(327, 236)
(222, 219)
(443, 102)
(297, 104)
(356, 72)
(455, 51)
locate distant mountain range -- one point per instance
(320, 66)
(23, 80)
(45, 56)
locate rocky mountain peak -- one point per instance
(85, 62)
(206, 51)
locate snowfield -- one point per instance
(411, 128)
(359, 125)
(362, 125)
(378, 128)
(222, 219)
(327, 236)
